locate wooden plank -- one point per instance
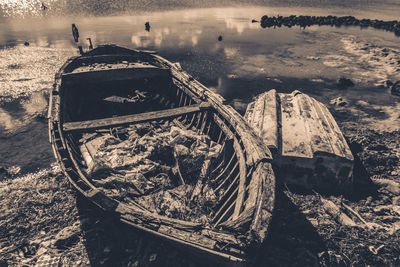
(135, 118)
(253, 188)
(188, 236)
(336, 137)
(224, 128)
(147, 218)
(261, 114)
(115, 74)
(265, 202)
(318, 135)
(221, 237)
(242, 181)
(295, 140)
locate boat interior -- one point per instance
(92, 103)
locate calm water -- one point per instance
(247, 61)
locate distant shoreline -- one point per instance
(307, 21)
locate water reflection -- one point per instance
(18, 114)
(246, 61)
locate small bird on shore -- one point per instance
(44, 7)
(75, 33)
(220, 38)
(147, 26)
(90, 43)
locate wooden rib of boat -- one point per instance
(242, 172)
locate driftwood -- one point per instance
(334, 210)
(347, 207)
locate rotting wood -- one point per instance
(188, 236)
(228, 177)
(264, 205)
(191, 235)
(347, 207)
(242, 182)
(217, 179)
(221, 237)
(311, 150)
(255, 149)
(225, 215)
(130, 119)
(333, 210)
(149, 217)
(114, 75)
(228, 201)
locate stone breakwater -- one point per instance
(307, 21)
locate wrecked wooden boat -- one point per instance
(141, 138)
(308, 147)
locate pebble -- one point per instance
(339, 102)
(388, 83)
(345, 83)
(395, 88)
(41, 251)
(153, 257)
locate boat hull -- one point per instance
(244, 173)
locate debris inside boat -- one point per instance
(158, 165)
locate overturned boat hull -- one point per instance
(308, 147)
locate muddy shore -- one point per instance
(43, 218)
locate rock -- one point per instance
(339, 102)
(26, 43)
(396, 88)
(388, 83)
(153, 257)
(355, 147)
(344, 83)
(67, 237)
(220, 38)
(13, 170)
